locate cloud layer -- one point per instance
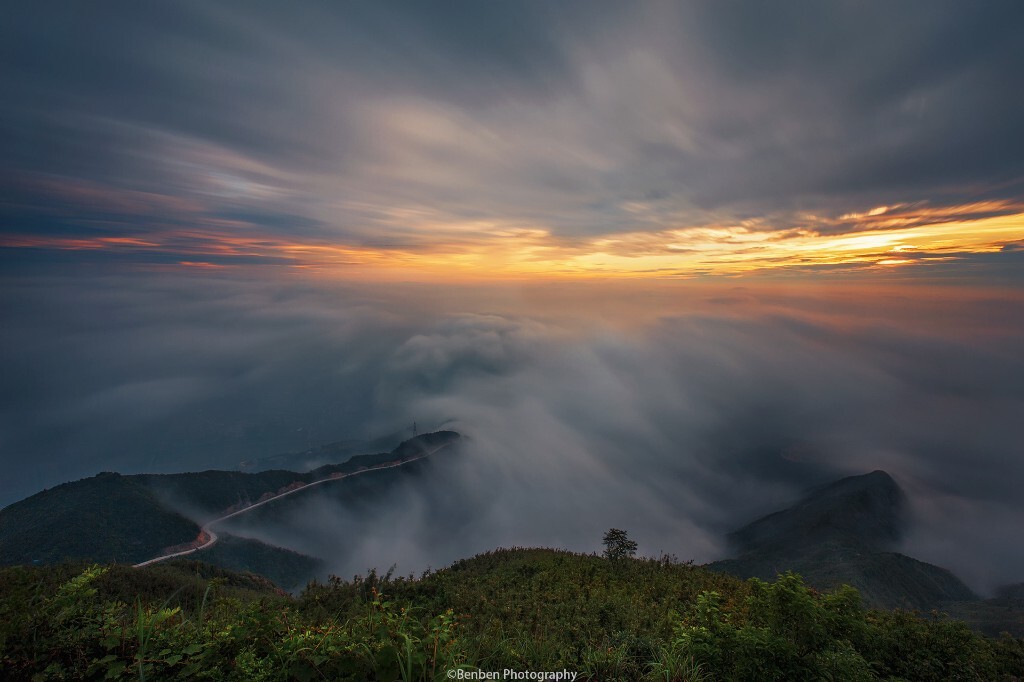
(678, 412)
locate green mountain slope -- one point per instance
(288, 569)
(864, 511)
(842, 533)
(884, 579)
(131, 518)
(108, 517)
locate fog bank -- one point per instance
(676, 411)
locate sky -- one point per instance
(473, 140)
(666, 264)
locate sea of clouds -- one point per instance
(676, 411)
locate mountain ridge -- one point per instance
(131, 518)
(845, 532)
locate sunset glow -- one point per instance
(489, 251)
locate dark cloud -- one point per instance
(584, 118)
(879, 101)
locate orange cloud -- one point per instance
(494, 249)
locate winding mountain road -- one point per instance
(211, 537)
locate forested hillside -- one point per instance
(131, 518)
(517, 609)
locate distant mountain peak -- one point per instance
(845, 532)
(864, 511)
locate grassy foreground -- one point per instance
(528, 610)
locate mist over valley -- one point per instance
(679, 412)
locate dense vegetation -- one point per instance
(528, 610)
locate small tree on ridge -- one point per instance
(617, 544)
